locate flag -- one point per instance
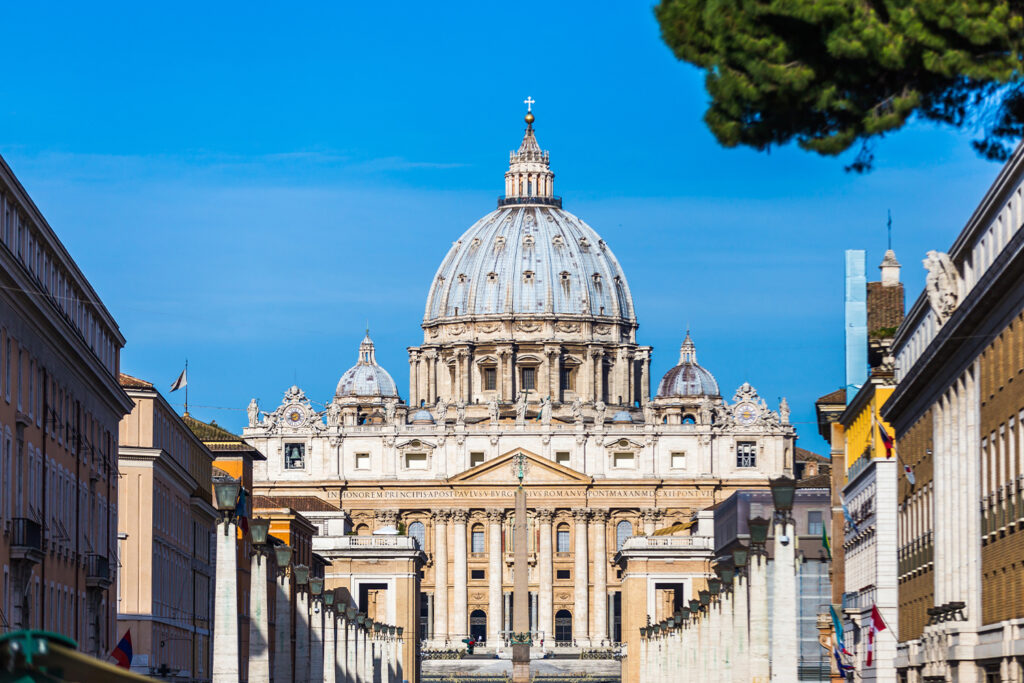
(876, 619)
(843, 668)
(824, 542)
(886, 437)
(869, 658)
(181, 381)
(910, 475)
(123, 652)
(847, 515)
(838, 627)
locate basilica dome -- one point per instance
(687, 379)
(366, 378)
(529, 256)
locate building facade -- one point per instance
(165, 529)
(60, 404)
(957, 415)
(529, 347)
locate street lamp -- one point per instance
(740, 556)
(316, 585)
(301, 574)
(283, 555)
(328, 599)
(714, 586)
(684, 615)
(727, 574)
(705, 597)
(259, 529)
(759, 532)
(783, 492)
(694, 606)
(225, 494)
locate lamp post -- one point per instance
(400, 652)
(367, 643)
(760, 633)
(259, 624)
(330, 664)
(741, 624)
(301, 623)
(316, 638)
(784, 647)
(283, 615)
(226, 662)
(353, 652)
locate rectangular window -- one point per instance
(562, 458)
(678, 461)
(490, 379)
(478, 574)
(623, 460)
(476, 459)
(562, 544)
(529, 379)
(566, 379)
(362, 461)
(477, 541)
(563, 574)
(294, 456)
(415, 461)
(746, 454)
(814, 525)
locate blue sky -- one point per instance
(247, 184)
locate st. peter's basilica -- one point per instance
(529, 346)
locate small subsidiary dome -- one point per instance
(622, 416)
(366, 378)
(688, 378)
(422, 417)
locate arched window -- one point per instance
(623, 530)
(563, 626)
(362, 530)
(417, 532)
(562, 535)
(477, 545)
(689, 420)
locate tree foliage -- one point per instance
(835, 74)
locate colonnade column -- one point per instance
(352, 652)
(330, 644)
(441, 576)
(581, 611)
(317, 641)
(784, 614)
(600, 517)
(494, 615)
(759, 625)
(545, 572)
(460, 627)
(302, 634)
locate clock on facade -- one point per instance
(746, 413)
(293, 414)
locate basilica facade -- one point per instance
(529, 346)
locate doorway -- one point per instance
(478, 625)
(563, 627)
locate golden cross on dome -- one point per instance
(529, 102)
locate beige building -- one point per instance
(60, 403)
(529, 347)
(165, 586)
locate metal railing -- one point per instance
(26, 533)
(505, 200)
(97, 567)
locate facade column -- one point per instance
(785, 629)
(545, 572)
(741, 636)
(581, 611)
(302, 635)
(225, 610)
(283, 629)
(645, 379)
(494, 574)
(759, 626)
(600, 631)
(598, 367)
(259, 625)
(441, 576)
(460, 600)
(367, 650)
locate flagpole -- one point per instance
(186, 386)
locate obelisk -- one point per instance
(521, 638)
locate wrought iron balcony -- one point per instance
(513, 201)
(97, 571)
(26, 540)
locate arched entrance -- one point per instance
(563, 627)
(478, 625)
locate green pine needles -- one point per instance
(837, 74)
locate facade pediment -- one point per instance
(539, 471)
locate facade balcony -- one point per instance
(26, 540)
(97, 571)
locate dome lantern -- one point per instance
(529, 179)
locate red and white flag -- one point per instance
(876, 619)
(910, 474)
(871, 645)
(886, 437)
